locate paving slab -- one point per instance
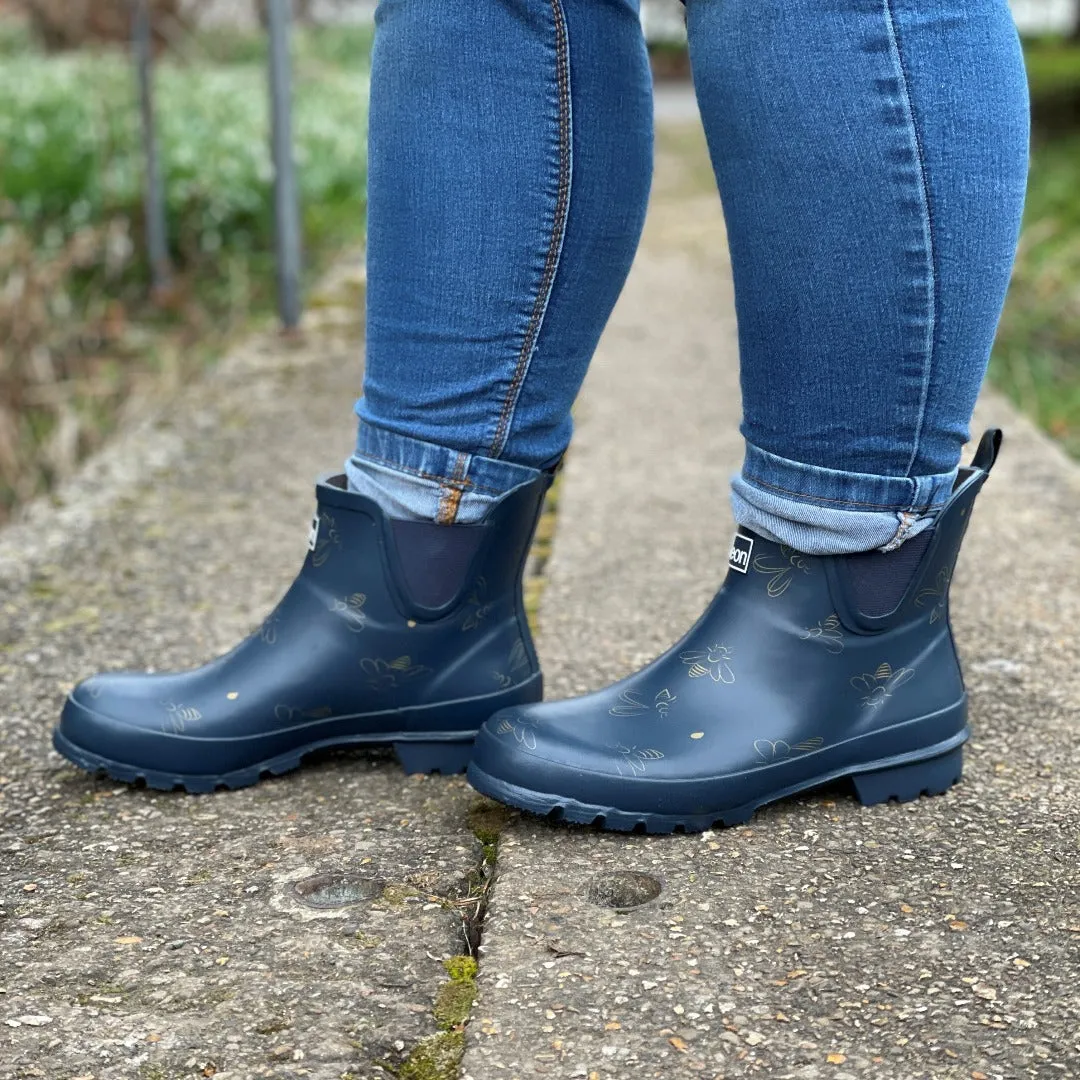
(151, 936)
(936, 939)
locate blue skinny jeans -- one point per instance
(871, 157)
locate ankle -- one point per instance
(413, 480)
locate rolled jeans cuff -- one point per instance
(823, 511)
(421, 481)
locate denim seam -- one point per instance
(441, 480)
(451, 492)
(839, 502)
(928, 227)
(907, 523)
(558, 231)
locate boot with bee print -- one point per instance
(395, 633)
(804, 670)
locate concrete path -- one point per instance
(154, 936)
(675, 103)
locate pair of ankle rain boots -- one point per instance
(802, 671)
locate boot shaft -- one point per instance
(444, 602)
(923, 568)
(884, 617)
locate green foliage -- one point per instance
(1036, 358)
(456, 997)
(436, 1058)
(1053, 66)
(344, 47)
(14, 37)
(1037, 354)
(76, 331)
(69, 126)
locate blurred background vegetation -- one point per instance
(1036, 358)
(82, 341)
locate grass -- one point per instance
(72, 155)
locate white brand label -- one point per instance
(739, 559)
(313, 536)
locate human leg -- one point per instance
(872, 158)
(511, 156)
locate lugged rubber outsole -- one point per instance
(416, 755)
(874, 782)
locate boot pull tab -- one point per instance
(989, 448)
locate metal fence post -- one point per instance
(154, 194)
(286, 198)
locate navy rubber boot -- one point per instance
(802, 671)
(396, 633)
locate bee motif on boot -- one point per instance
(715, 662)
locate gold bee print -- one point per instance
(392, 674)
(523, 728)
(477, 606)
(881, 685)
(517, 666)
(519, 657)
(633, 703)
(630, 761)
(630, 704)
(177, 717)
(781, 572)
(352, 610)
(936, 593)
(286, 714)
(663, 702)
(324, 538)
(770, 751)
(715, 661)
(828, 633)
(268, 632)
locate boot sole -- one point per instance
(903, 778)
(423, 754)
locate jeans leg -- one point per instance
(510, 158)
(872, 157)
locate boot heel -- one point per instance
(906, 782)
(447, 758)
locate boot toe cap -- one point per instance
(548, 750)
(109, 719)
